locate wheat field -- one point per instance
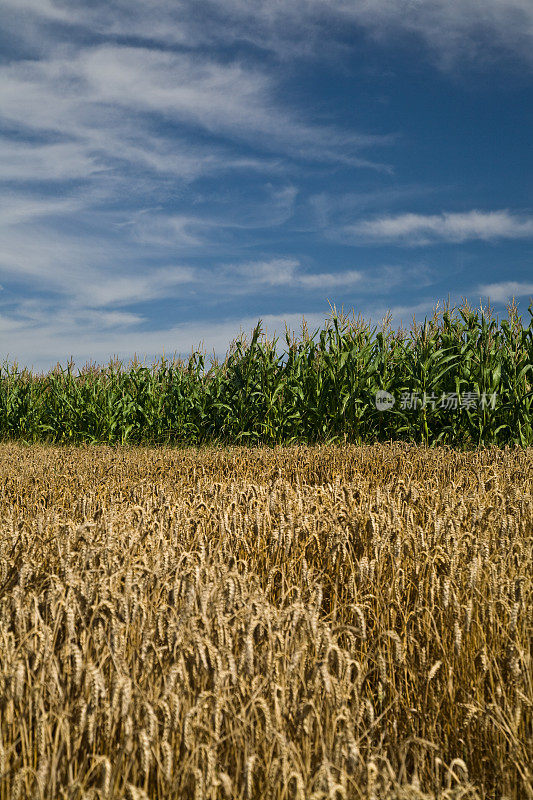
(290, 623)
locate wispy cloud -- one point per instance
(285, 272)
(422, 229)
(453, 32)
(74, 247)
(505, 290)
(17, 208)
(466, 30)
(32, 161)
(215, 218)
(100, 96)
(97, 138)
(178, 151)
(92, 338)
(64, 247)
(96, 338)
(330, 280)
(128, 289)
(288, 273)
(102, 154)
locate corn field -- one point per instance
(257, 623)
(320, 389)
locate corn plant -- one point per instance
(320, 388)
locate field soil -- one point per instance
(286, 623)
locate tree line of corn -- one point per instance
(322, 387)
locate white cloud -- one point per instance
(43, 8)
(33, 253)
(127, 289)
(505, 290)
(29, 161)
(276, 272)
(98, 154)
(87, 115)
(96, 257)
(90, 339)
(452, 31)
(287, 273)
(120, 121)
(97, 337)
(100, 96)
(61, 245)
(84, 269)
(270, 207)
(17, 208)
(136, 125)
(86, 339)
(330, 280)
(421, 229)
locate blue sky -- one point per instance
(173, 171)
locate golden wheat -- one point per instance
(333, 622)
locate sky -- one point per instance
(175, 170)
